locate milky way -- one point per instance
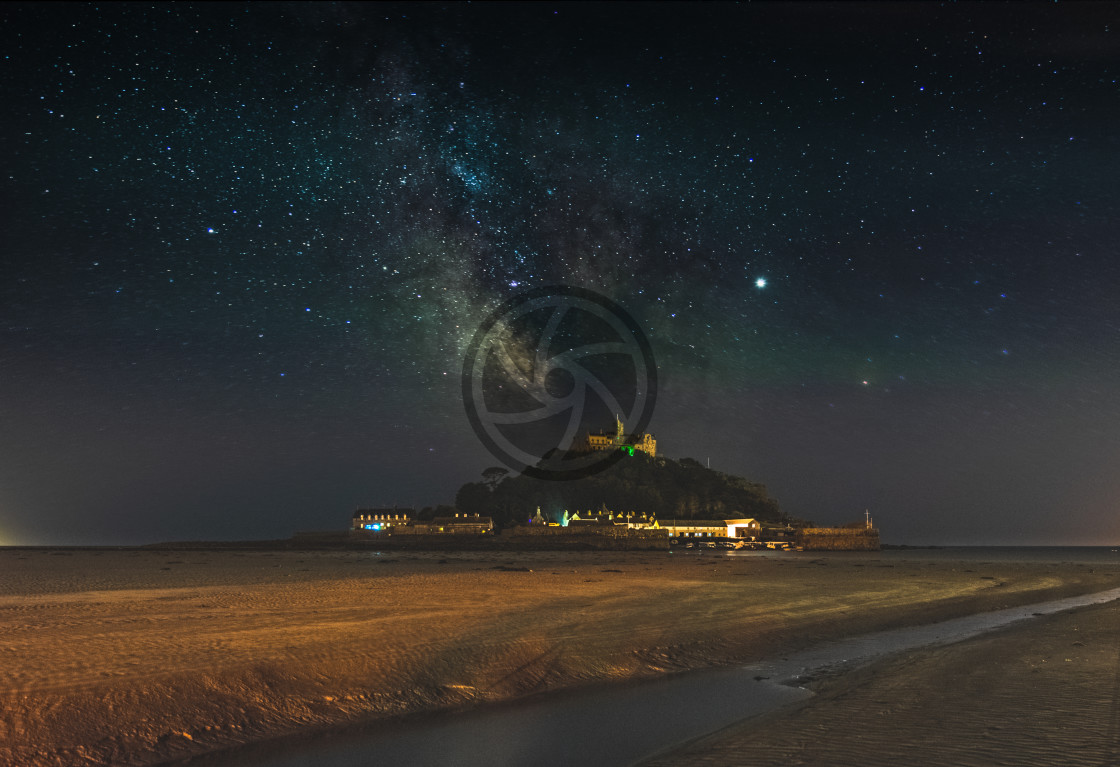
(874, 248)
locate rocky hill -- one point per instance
(667, 488)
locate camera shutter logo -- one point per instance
(544, 367)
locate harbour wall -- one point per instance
(837, 539)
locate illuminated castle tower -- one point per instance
(605, 440)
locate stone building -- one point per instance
(459, 524)
(618, 440)
(381, 520)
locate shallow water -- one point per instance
(622, 725)
(1054, 555)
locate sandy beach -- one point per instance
(1043, 694)
(139, 656)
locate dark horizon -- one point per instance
(873, 247)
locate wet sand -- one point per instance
(1045, 693)
(138, 657)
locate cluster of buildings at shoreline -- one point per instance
(397, 521)
(404, 522)
(378, 524)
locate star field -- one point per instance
(246, 245)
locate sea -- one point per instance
(1085, 555)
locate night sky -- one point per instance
(874, 248)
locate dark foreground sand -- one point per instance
(137, 657)
(1043, 693)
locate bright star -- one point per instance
(760, 282)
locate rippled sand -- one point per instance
(136, 657)
(1043, 693)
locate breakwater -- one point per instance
(837, 539)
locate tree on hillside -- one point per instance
(493, 476)
(473, 498)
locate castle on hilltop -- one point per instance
(618, 440)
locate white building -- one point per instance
(711, 528)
